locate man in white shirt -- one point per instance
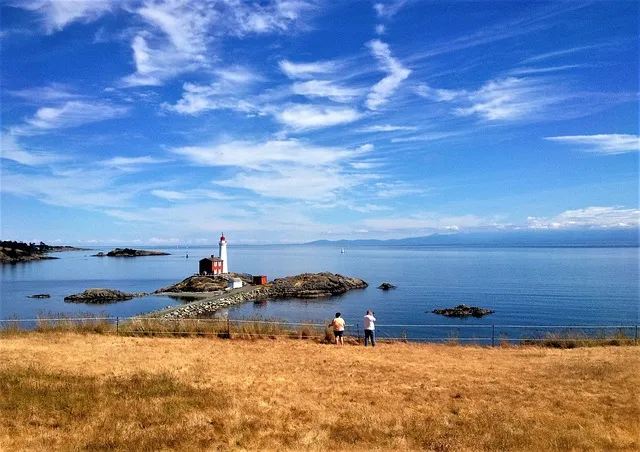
(369, 329)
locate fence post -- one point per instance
(117, 326)
(493, 335)
(635, 336)
(358, 331)
(228, 328)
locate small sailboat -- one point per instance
(342, 251)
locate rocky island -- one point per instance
(101, 296)
(305, 285)
(12, 252)
(130, 252)
(462, 310)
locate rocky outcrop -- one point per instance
(463, 310)
(205, 308)
(130, 252)
(101, 296)
(15, 256)
(313, 285)
(386, 286)
(205, 283)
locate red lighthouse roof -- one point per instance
(222, 237)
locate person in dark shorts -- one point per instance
(338, 328)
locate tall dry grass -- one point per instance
(65, 391)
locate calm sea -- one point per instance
(524, 286)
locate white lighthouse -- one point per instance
(223, 253)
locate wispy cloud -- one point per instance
(544, 70)
(385, 128)
(256, 155)
(306, 70)
(304, 117)
(511, 99)
(396, 189)
(131, 163)
(559, 53)
(323, 88)
(179, 33)
(70, 114)
(430, 136)
(381, 91)
(227, 93)
(10, 149)
(439, 95)
(54, 92)
(388, 9)
(427, 223)
(589, 217)
(612, 143)
(172, 195)
(289, 169)
(57, 14)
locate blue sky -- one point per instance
(167, 122)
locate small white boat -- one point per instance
(342, 251)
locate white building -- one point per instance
(235, 283)
(223, 253)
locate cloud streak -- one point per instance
(381, 91)
(610, 144)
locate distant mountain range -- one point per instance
(569, 238)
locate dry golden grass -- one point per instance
(68, 391)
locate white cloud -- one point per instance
(312, 116)
(52, 92)
(590, 217)
(223, 94)
(70, 114)
(511, 99)
(254, 155)
(385, 128)
(427, 222)
(277, 16)
(389, 8)
(381, 91)
(439, 95)
(56, 14)
(10, 149)
(324, 88)
(288, 169)
(612, 143)
(307, 183)
(130, 163)
(169, 195)
(396, 189)
(380, 29)
(306, 70)
(431, 136)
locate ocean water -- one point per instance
(524, 286)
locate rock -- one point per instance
(313, 285)
(386, 286)
(129, 252)
(463, 310)
(205, 283)
(100, 296)
(40, 295)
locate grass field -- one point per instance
(68, 391)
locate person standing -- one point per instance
(369, 329)
(338, 329)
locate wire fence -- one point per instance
(488, 334)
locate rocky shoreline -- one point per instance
(211, 293)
